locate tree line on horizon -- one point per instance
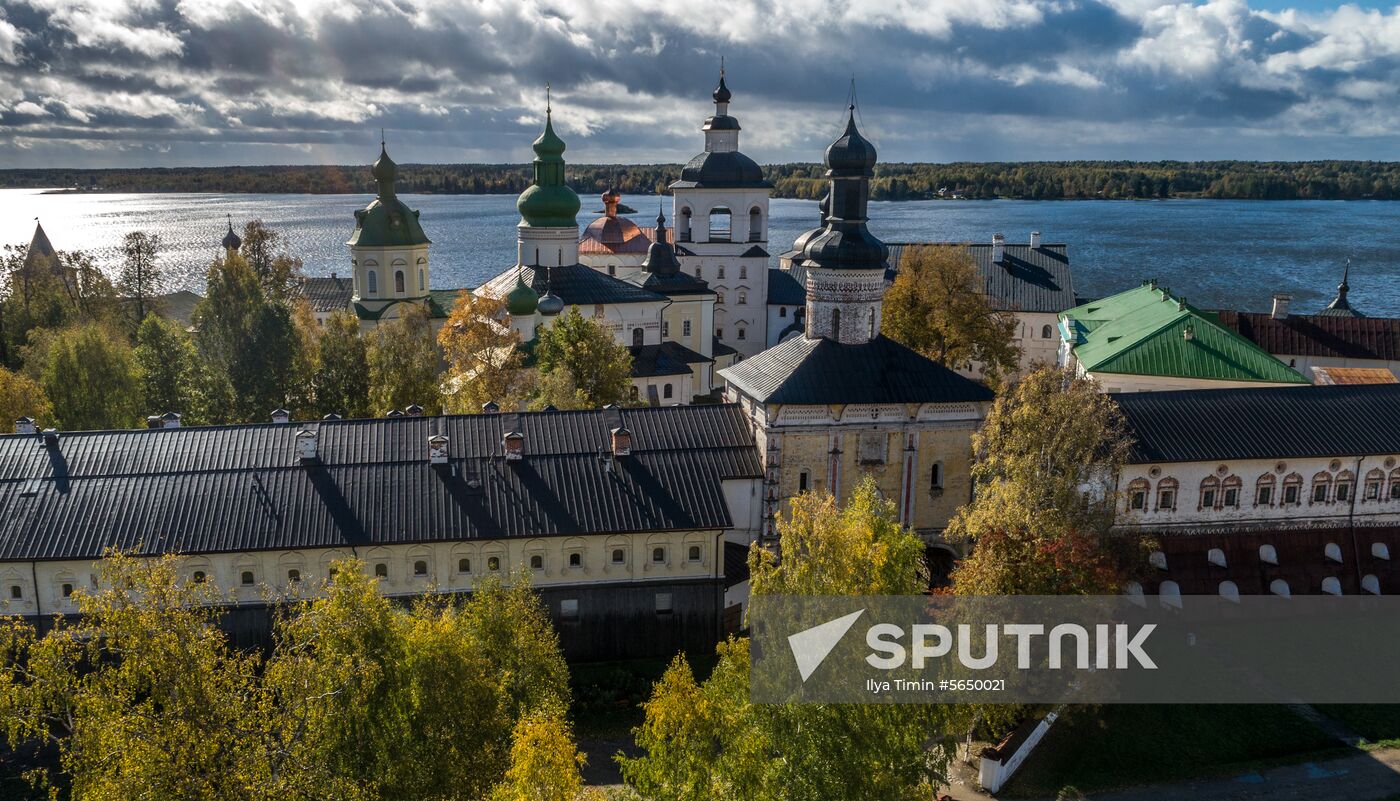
(1060, 180)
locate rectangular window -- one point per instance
(1290, 495)
(1395, 491)
(1373, 490)
(1166, 499)
(665, 328)
(1343, 493)
(1266, 496)
(1232, 497)
(663, 603)
(1208, 499)
(568, 609)
(802, 481)
(719, 333)
(685, 328)
(1319, 493)
(1138, 501)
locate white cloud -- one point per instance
(30, 109)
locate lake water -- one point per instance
(1219, 253)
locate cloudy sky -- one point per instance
(180, 82)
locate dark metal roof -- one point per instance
(327, 294)
(1268, 423)
(667, 358)
(1026, 279)
(727, 169)
(821, 370)
(575, 284)
(784, 289)
(241, 488)
(1317, 335)
(736, 563)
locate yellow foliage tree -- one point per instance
(484, 360)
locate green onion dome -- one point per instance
(387, 221)
(549, 203)
(521, 300)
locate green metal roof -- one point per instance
(549, 203)
(387, 221)
(440, 303)
(1147, 331)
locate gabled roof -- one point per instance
(1263, 423)
(241, 488)
(1026, 279)
(575, 284)
(821, 371)
(327, 293)
(1147, 331)
(667, 358)
(1375, 338)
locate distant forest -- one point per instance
(1068, 180)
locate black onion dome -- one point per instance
(661, 258)
(726, 169)
(231, 240)
(851, 153)
(722, 93)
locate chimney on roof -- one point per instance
(394, 413)
(1035, 240)
(437, 449)
(306, 445)
(490, 407)
(153, 421)
(25, 425)
(170, 420)
(414, 411)
(331, 416)
(51, 438)
(281, 416)
(998, 248)
(1181, 303)
(621, 442)
(515, 446)
(1280, 311)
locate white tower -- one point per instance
(721, 224)
(388, 250)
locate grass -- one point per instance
(1110, 747)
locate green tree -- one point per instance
(341, 381)
(278, 273)
(937, 307)
(90, 377)
(1044, 461)
(581, 365)
(485, 361)
(248, 340)
(544, 762)
(48, 294)
(139, 281)
(403, 363)
(170, 370)
(706, 740)
(22, 396)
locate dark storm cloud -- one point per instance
(463, 80)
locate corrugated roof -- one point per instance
(817, 371)
(666, 358)
(240, 488)
(327, 293)
(1147, 331)
(1263, 423)
(575, 284)
(1353, 375)
(1316, 335)
(1026, 279)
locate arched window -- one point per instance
(936, 476)
(721, 224)
(638, 337)
(1374, 481)
(1137, 495)
(1395, 484)
(1166, 495)
(782, 311)
(420, 568)
(398, 281)
(683, 228)
(372, 278)
(693, 554)
(1210, 493)
(755, 224)
(1047, 331)
(1158, 560)
(246, 578)
(1345, 480)
(666, 391)
(719, 272)
(658, 555)
(1216, 557)
(422, 281)
(381, 570)
(1230, 492)
(464, 565)
(1229, 591)
(741, 332)
(1268, 554)
(698, 272)
(619, 556)
(743, 271)
(1321, 488)
(1279, 587)
(536, 562)
(836, 323)
(1380, 551)
(1332, 586)
(1292, 490)
(1264, 490)
(575, 559)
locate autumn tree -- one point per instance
(277, 272)
(581, 365)
(544, 762)
(937, 306)
(341, 381)
(484, 357)
(22, 396)
(705, 740)
(90, 378)
(1044, 464)
(139, 281)
(48, 294)
(169, 369)
(403, 363)
(249, 341)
